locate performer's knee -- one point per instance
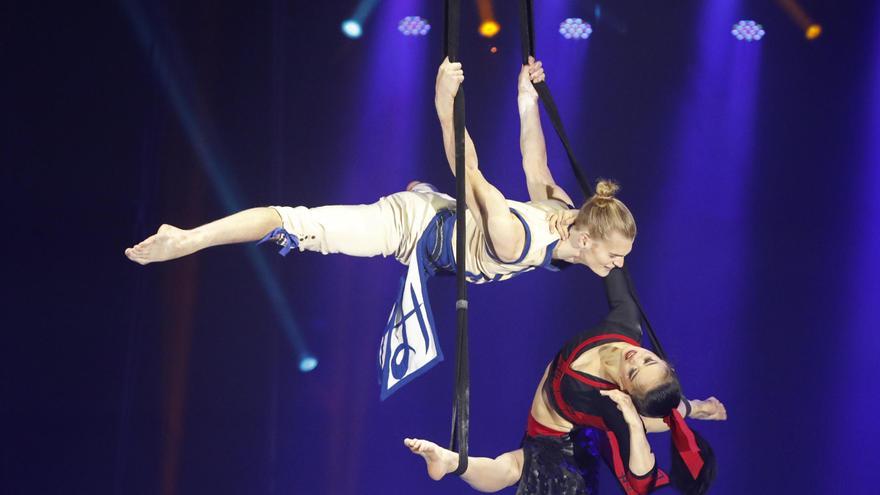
(299, 221)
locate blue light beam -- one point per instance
(214, 167)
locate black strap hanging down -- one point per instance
(527, 41)
(461, 405)
(655, 342)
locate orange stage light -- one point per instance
(798, 15)
(489, 28)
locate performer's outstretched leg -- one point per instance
(389, 227)
(170, 242)
(483, 474)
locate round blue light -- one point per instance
(352, 28)
(747, 30)
(413, 25)
(307, 364)
(575, 28)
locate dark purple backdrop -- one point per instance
(753, 171)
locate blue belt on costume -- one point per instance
(436, 244)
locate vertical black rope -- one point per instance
(655, 342)
(461, 406)
(527, 30)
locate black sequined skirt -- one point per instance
(564, 465)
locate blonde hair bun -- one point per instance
(605, 189)
(604, 214)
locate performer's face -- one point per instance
(602, 255)
(641, 370)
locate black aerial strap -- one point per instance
(527, 39)
(655, 342)
(461, 404)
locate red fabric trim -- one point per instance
(662, 478)
(642, 485)
(569, 412)
(536, 429)
(617, 464)
(632, 484)
(685, 442)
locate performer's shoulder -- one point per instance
(543, 205)
(550, 205)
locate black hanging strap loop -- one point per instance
(526, 30)
(553, 112)
(655, 342)
(461, 406)
(452, 11)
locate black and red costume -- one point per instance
(574, 395)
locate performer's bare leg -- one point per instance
(170, 242)
(483, 474)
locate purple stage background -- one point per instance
(753, 171)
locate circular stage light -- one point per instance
(307, 364)
(413, 26)
(747, 31)
(489, 28)
(352, 28)
(574, 28)
(813, 31)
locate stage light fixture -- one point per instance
(489, 28)
(747, 30)
(308, 363)
(574, 28)
(413, 26)
(352, 29)
(811, 29)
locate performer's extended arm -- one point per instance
(504, 232)
(622, 308)
(531, 138)
(710, 409)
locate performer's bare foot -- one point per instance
(167, 243)
(440, 461)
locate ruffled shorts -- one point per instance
(560, 465)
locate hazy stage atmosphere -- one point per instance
(752, 169)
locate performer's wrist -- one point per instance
(444, 104)
(526, 103)
(194, 239)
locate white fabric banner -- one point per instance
(409, 344)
